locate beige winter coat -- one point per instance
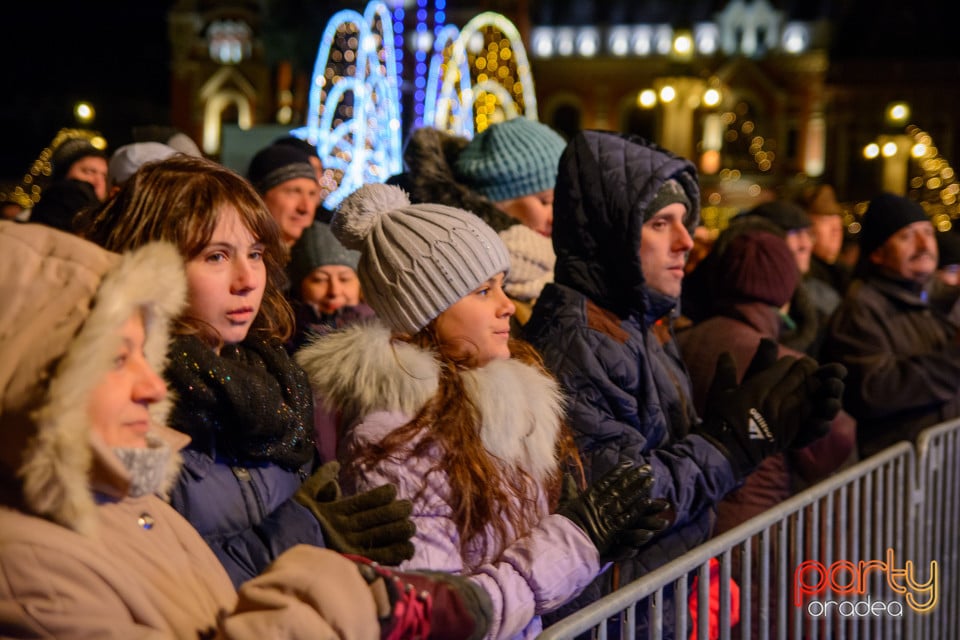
(78, 556)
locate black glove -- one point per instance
(767, 411)
(825, 388)
(616, 512)
(373, 524)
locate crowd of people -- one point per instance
(465, 404)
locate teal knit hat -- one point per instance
(511, 159)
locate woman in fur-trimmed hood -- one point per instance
(88, 546)
(437, 399)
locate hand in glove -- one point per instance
(825, 388)
(616, 512)
(373, 524)
(777, 400)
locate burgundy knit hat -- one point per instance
(757, 266)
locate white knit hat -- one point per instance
(416, 260)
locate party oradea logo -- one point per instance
(842, 587)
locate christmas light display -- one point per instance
(353, 114)
(476, 76)
(483, 76)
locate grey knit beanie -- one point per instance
(415, 260)
(511, 159)
(670, 191)
(317, 247)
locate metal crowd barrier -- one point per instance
(871, 552)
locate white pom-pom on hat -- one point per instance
(416, 260)
(359, 211)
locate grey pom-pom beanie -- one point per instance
(415, 260)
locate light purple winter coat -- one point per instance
(378, 386)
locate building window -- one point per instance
(229, 41)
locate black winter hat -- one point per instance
(297, 143)
(276, 164)
(787, 215)
(69, 152)
(61, 201)
(886, 214)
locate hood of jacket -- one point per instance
(430, 156)
(65, 300)
(362, 370)
(605, 185)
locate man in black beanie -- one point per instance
(283, 176)
(902, 355)
(78, 159)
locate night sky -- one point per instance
(111, 53)
(115, 54)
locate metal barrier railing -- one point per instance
(938, 526)
(797, 565)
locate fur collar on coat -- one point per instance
(58, 337)
(360, 370)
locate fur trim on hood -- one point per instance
(360, 370)
(429, 156)
(58, 337)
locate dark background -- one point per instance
(115, 55)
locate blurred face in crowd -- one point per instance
(93, 170)
(119, 405)
(226, 280)
(331, 287)
(293, 204)
(477, 326)
(9, 210)
(664, 245)
(534, 210)
(827, 237)
(909, 254)
(800, 242)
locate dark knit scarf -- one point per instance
(249, 404)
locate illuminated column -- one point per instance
(679, 99)
(895, 150)
(815, 148)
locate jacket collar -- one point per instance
(360, 370)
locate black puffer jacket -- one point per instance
(597, 328)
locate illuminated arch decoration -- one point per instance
(479, 76)
(353, 114)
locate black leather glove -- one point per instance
(777, 401)
(373, 524)
(616, 512)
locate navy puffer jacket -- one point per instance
(628, 391)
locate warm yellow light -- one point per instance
(918, 150)
(889, 149)
(667, 94)
(871, 151)
(84, 111)
(647, 98)
(683, 44)
(898, 112)
(711, 97)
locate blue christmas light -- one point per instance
(363, 139)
